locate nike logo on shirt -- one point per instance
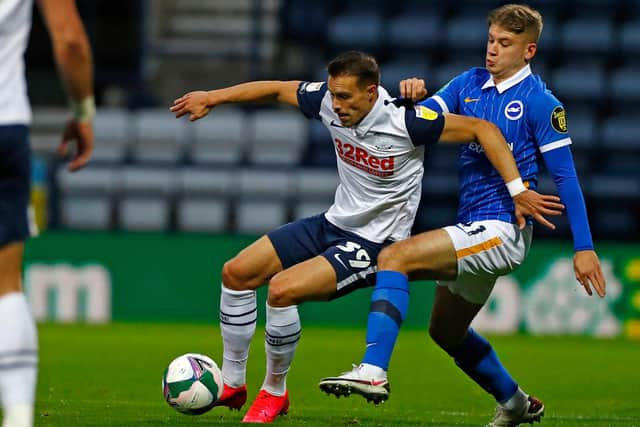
(468, 100)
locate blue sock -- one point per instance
(476, 358)
(389, 305)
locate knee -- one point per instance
(234, 276)
(280, 295)
(389, 259)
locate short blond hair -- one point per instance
(517, 19)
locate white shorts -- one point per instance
(485, 250)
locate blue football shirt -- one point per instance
(531, 119)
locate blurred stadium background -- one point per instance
(160, 184)
(141, 234)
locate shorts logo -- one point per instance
(362, 258)
(360, 158)
(425, 113)
(514, 110)
(559, 120)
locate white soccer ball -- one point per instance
(192, 383)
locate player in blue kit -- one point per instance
(487, 241)
(72, 52)
(379, 146)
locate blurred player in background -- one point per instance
(468, 257)
(18, 337)
(380, 148)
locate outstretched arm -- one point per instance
(462, 129)
(73, 57)
(198, 104)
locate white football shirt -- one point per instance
(380, 162)
(15, 24)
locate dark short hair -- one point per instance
(356, 63)
(517, 19)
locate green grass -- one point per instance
(111, 376)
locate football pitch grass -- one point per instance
(111, 376)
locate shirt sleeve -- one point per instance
(548, 122)
(549, 125)
(424, 125)
(310, 95)
(445, 100)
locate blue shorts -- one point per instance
(15, 182)
(353, 258)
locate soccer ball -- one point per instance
(192, 383)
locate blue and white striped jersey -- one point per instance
(531, 119)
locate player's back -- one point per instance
(15, 24)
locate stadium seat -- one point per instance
(629, 35)
(307, 208)
(414, 31)
(466, 33)
(592, 35)
(202, 215)
(445, 72)
(440, 183)
(622, 133)
(265, 184)
(112, 135)
(442, 158)
(355, 30)
(277, 138)
(158, 137)
(221, 137)
(610, 187)
(615, 223)
(147, 182)
(86, 197)
(85, 212)
(316, 183)
(575, 83)
(583, 127)
(91, 180)
(625, 85)
(259, 216)
(393, 72)
(305, 20)
(144, 213)
(205, 182)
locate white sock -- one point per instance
(238, 314)
(281, 339)
(372, 371)
(18, 360)
(517, 401)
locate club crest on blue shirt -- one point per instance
(514, 110)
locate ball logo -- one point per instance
(514, 110)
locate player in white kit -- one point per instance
(18, 337)
(380, 145)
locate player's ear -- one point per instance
(531, 51)
(371, 91)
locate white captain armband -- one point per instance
(85, 110)
(516, 187)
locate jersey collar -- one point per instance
(511, 81)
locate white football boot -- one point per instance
(373, 387)
(532, 411)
